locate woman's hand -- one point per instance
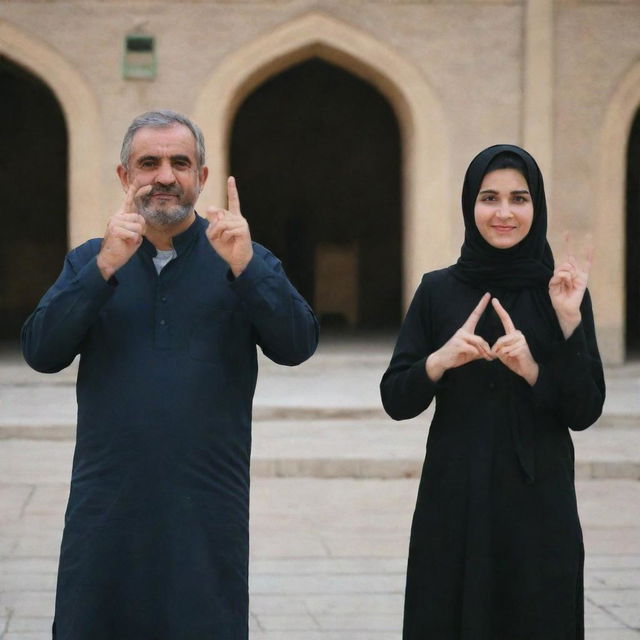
(567, 287)
(464, 346)
(512, 348)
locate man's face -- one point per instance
(164, 158)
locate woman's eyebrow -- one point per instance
(516, 191)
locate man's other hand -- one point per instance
(228, 232)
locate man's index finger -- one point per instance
(233, 198)
(129, 198)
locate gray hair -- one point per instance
(160, 120)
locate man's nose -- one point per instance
(165, 174)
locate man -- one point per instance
(165, 311)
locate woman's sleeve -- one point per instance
(571, 383)
(406, 390)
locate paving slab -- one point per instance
(334, 481)
(328, 556)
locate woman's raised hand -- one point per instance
(567, 287)
(464, 346)
(512, 348)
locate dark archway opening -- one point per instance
(33, 181)
(317, 155)
(633, 242)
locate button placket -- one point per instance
(162, 334)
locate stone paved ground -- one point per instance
(333, 490)
(328, 554)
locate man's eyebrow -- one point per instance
(181, 158)
(177, 158)
(142, 159)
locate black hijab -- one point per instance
(522, 270)
(527, 264)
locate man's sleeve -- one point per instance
(287, 327)
(52, 335)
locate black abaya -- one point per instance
(496, 547)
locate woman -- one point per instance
(507, 347)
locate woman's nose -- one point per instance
(504, 210)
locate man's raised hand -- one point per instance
(463, 347)
(512, 348)
(228, 232)
(124, 233)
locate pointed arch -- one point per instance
(610, 210)
(421, 118)
(80, 108)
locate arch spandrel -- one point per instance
(80, 108)
(607, 282)
(421, 118)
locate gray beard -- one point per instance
(161, 216)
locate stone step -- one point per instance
(324, 418)
(372, 448)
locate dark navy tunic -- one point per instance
(155, 543)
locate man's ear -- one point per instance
(124, 177)
(204, 174)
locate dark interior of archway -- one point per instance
(33, 183)
(316, 152)
(633, 242)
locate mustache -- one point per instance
(172, 190)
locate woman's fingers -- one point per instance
(589, 252)
(509, 350)
(464, 347)
(472, 321)
(481, 346)
(506, 344)
(561, 278)
(505, 318)
(582, 265)
(517, 350)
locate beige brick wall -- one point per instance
(466, 57)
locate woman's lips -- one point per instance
(502, 229)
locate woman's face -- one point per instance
(504, 210)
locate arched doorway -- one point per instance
(317, 154)
(33, 181)
(632, 240)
